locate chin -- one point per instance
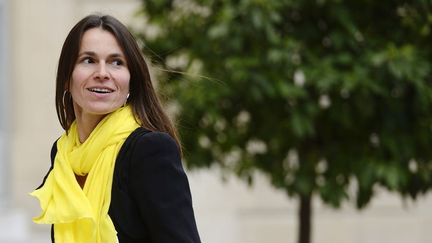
(103, 110)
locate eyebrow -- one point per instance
(92, 54)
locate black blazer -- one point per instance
(150, 199)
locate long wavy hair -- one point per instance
(143, 99)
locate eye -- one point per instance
(87, 60)
(117, 62)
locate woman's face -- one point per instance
(100, 79)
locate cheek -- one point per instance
(77, 78)
(74, 85)
(124, 83)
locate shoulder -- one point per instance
(154, 159)
(157, 140)
(150, 140)
(143, 143)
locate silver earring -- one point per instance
(64, 99)
(64, 102)
(127, 97)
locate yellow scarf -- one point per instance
(81, 215)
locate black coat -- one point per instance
(150, 199)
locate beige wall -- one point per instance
(230, 212)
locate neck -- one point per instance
(86, 123)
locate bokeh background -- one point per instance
(227, 209)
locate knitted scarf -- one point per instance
(81, 214)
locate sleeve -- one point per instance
(52, 155)
(160, 187)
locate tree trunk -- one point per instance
(305, 215)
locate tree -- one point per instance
(319, 95)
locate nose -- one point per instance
(102, 72)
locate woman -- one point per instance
(116, 173)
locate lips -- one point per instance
(100, 90)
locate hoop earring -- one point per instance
(127, 97)
(64, 102)
(63, 99)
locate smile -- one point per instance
(100, 90)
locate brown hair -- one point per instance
(143, 99)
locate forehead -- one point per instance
(98, 39)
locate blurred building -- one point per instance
(31, 35)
